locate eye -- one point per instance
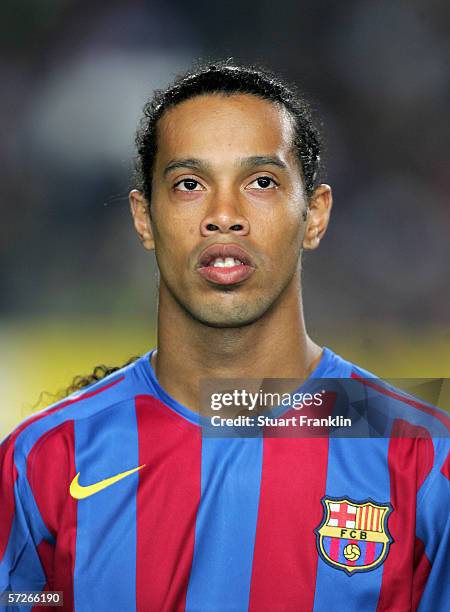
(263, 182)
(188, 184)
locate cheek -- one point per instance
(174, 241)
(291, 242)
(281, 227)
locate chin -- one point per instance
(225, 323)
(227, 318)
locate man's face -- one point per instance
(226, 175)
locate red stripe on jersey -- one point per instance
(334, 548)
(8, 477)
(422, 568)
(285, 560)
(370, 552)
(170, 448)
(51, 469)
(405, 459)
(445, 470)
(444, 419)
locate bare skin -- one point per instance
(225, 173)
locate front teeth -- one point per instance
(228, 262)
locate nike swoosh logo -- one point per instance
(77, 491)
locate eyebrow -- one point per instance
(249, 162)
(190, 162)
(262, 160)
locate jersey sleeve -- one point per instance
(433, 535)
(20, 566)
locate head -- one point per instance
(228, 166)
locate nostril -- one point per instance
(236, 228)
(211, 227)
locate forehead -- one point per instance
(216, 125)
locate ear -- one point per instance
(318, 216)
(140, 211)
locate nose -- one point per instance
(224, 218)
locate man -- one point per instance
(114, 497)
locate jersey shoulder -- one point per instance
(109, 393)
(394, 402)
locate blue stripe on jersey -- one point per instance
(226, 525)
(22, 579)
(354, 471)
(32, 576)
(106, 444)
(28, 574)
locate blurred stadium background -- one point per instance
(77, 290)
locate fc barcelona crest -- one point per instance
(353, 536)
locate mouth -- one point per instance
(225, 264)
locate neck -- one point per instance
(275, 346)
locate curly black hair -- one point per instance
(81, 381)
(227, 79)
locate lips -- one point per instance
(222, 251)
(229, 274)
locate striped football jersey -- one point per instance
(116, 498)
